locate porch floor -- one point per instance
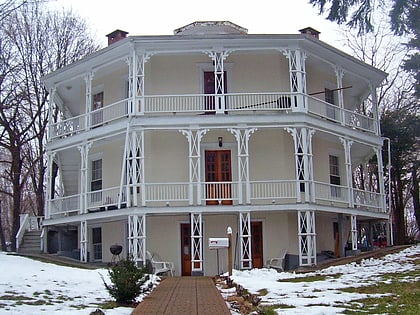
(184, 295)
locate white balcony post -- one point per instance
(194, 140)
(354, 232)
(381, 182)
(245, 240)
(307, 238)
(50, 162)
(377, 126)
(347, 152)
(242, 139)
(137, 238)
(297, 72)
(88, 99)
(219, 79)
(84, 168)
(136, 80)
(83, 241)
(302, 139)
(134, 167)
(196, 244)
(51, 107)
(339, 72)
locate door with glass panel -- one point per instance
(218, 177)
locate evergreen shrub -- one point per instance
(127, 280)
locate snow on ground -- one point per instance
(31, 287)
(323, 296)
(28, 287)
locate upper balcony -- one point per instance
(237, 74)
(201, 104)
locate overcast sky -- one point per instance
(162, 17)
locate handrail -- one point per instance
(22, 229)
(260, 192)
(206, 103)
(341, 115)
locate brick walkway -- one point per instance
(184, 295)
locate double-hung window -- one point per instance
(96, 181)
(335, 179)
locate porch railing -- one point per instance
(369, 199)
(98, 117)
(339, 115)
(219, 191)
(260, 193)
(272, 190)
(208, 103)
(105, 199)
(331, 193)
(64, 205)
(166, 192)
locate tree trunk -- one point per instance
(17, 186)
(2, 234)
(398, 210)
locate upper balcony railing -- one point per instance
(183, 194)
(244, 103)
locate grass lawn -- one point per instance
(401, 295)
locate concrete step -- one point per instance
(31, 242)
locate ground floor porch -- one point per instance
(308, 237)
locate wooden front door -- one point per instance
(209, 88)
(186, 249)
(218, 177)
(257, 245)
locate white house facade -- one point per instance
(158, 143)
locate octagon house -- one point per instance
(159, 143)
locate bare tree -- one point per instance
(383, 49)
(38, 42)
(9, 6)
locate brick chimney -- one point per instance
(115, 36)
(310, 31)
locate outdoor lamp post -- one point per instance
(229, 234)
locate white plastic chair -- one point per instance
(277, 262)
(159, 266)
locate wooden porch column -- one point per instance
(242, 138)
(245, 257)
(339, 72)
(48, 193)
(302, 138)
(297, 73)
(307, 238)
(194, 137)
(136, 78)
(347, 152)
(381, 182)
(353, 228)
(219, 81)
(88, 98)
(133, 167)
(377, 125)
(137, 238)
(84, 169)
(196, 244)
(83, 241)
